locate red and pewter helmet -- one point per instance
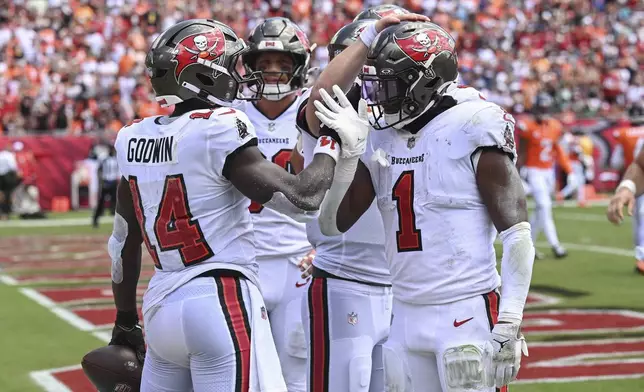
(279, 35)
(407, 69)
(380, 11)
(196, 59)
(346, 36)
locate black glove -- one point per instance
(127, 332)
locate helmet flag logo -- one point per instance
(203, 48)
(420, 46)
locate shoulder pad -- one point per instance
(490, 126)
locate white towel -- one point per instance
(265, 368)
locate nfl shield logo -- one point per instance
(411, 142)
(352, 318)
(264, 315)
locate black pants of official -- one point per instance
(108, 189)
(8, 183)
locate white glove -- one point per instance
(352, 127)
(508, 344)
(572, 181)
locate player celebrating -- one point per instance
(442, 172)
(350, 282)
(185, 194)
(629, 147)
(280, 52)
(539, 144)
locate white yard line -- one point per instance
(55, 222)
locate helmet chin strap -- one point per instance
(275, 92)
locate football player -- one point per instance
(539, 144)
(187, 181)
(280, 52)
(628, 154)
(442, 172)
(351, 283)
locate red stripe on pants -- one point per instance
(319, 330)
(241, 338)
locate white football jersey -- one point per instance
(276, 235)
(194, 219)
(439, 238)
(359, 253)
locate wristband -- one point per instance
(327, 145)
(628, 184)
(127, 319)
(369, 34)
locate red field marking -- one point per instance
(79, 294)
(82, 276)
(57, 265)
(538, 299)
(583, 360)
(75, 380)
(69, 378)
(102, 316)
(581, 321)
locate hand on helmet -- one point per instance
(340, 116)
(395, 19)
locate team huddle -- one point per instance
(337, 238)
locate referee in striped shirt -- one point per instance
(108, 175)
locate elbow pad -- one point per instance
(516, 271)
(115, 247)
(345, 170)
(280, 203)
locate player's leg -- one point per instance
(167, 364)
(348, 318)
(160, 375)
(286, 324)
(536, 187)
(544, 180)
(410, 364)
(482, 312)
(217, 332)
(100, 206)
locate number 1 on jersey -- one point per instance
(408, 237)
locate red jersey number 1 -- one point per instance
(408, 237)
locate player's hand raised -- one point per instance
(615, 212)
(395, 19)
(352, 127)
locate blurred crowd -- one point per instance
(76, 66)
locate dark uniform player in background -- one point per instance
(108, 177)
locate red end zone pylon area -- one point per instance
(74, 259)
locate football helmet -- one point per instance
(408, 68)
(380, 11)
(346, 36)
(279, 35)
(196, 59)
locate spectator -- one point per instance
(77, 66)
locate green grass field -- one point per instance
(597, 275)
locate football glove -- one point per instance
(352, 127)
(508, 344)
(127, 332)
